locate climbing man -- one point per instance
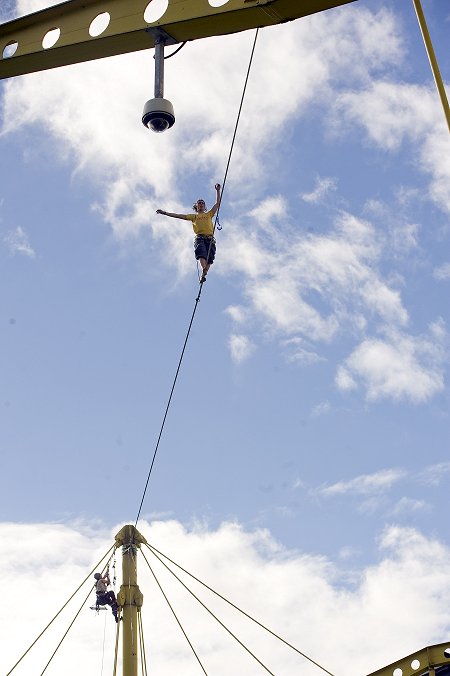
(105, 597)
(204, 243)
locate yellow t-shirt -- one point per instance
(202, 223)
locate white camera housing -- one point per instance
(158, 115)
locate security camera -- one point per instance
(158, 115)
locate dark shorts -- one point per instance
(203, 244)
(107, 599)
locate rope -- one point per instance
(103, 646)
(66, 632)
(116, 652)
(216, 220)
(174, 614)
(142, 644)
(59, 611)
(239, 609)
(211, 613)
(167, 408)
(197, 300)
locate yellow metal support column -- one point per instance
(433, 60)
(130, 598)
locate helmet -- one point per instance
(97, 576)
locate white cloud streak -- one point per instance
(407, 506)
(321, 409)
(435, 474)
(442, 272)
(241, 347)
(17, 242)
(365, 484)
(322, 188)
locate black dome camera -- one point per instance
(158, 115)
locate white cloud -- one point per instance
(393, 113)
(365, 484)
(349, 553)
(405, 237)
(322, 188)
(409, 505)
(284, 278)
(402, 236)
(442, 272)
(270, 210)
(18, 243)
(372, 504)
(321, 409)
(237, 313)
(344, 380)
(400, 367)
(297, 352)
(241, 347)
(283, 306)
(434, 474)
(7, 10)
(46, 563)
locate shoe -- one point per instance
(203, 278)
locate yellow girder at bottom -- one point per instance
(423, 662)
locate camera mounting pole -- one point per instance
(159, 66)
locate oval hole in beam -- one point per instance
(99, 24)
(155, 10)
(51, 38)
(10, 49)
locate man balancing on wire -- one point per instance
(105, 597)
(202, 223)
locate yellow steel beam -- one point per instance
(128, 31)
(421, 663)
(433, 60)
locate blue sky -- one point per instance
(313, 402)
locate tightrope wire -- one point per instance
(199, 292)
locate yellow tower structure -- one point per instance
(130, 598)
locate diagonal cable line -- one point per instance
(174, 614)
(66, 632)
(153, 549)
(60, 611)
(210, 612)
